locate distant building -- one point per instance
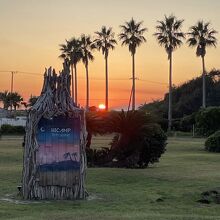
(17, 121)
(3, 113)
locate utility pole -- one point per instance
(129, 104)
(133, 93)
(12, 80)
(12, 76)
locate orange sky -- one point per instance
(30, 32)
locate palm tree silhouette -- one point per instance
(170, 36)
(75, 57)
(132, 36)
(105, 41)
(68, 154)
(4, 98)
(72, 51)
(201, 36)
(66, 53)
(87, 46)
(14, 99)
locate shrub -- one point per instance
(142, 149)
(186, 123)
(9, 129)
(208, 121)
(138, 140)
(212, 143)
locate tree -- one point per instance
(208, 120)
(170, 36)
(87, 46)
(65, 55)
(32, 100)
(138, 141)
(15, 99)
(201, 36)
(72, 52)
(72, 156)
(132, 36)
(4, 98)
(184, 104)
(75, 57)
(104, 42)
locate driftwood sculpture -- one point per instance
(54, 160)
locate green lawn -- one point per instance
(184, 171)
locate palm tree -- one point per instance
(72, 156)
(201, 36)
(4, 98)
(170, 36)
(32, 100)
(87, 46)
(105, 41)
(66, 54)
(75, 57)
(71, 51)
(132, 36)
(15, 100)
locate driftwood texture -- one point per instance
(54, 100)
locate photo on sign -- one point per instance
(58, 140)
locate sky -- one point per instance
(31, 31)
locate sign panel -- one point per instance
(58, 157)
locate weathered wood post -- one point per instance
(54, 160)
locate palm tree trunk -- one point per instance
(106, 83)
(72, 82)
(133, 82)
(203, 83)
(76, 92)
(170, 95)
(87, 87)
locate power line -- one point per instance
(36, 74)
(101, 79)
(161, 83)
(15, 72)
(124, 79)
(97, 79)
(28, 73)
(103, 99)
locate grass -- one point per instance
(184, 171)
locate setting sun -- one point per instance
(101, 106)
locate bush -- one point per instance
(212, 143)
(9, 129)
(140, 150)
(208, 121)
(187, 122)
(138, 141)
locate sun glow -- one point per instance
(101, 106)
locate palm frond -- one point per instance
(87, 46)
(202, 36)
(168, 33)
(105, 40)
(132, 34)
